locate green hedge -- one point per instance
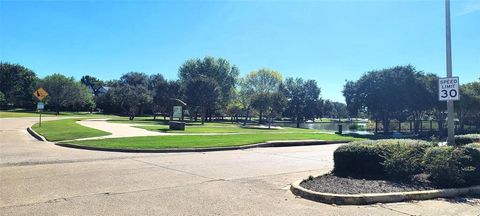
(453, 167)
(467, 139)
(395, 158)
(446, 166)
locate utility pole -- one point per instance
(450, 111)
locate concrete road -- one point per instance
(39, 178)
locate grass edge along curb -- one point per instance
(205, 149)
(365, 199)
(36, 135)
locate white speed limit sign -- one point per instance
(448, 89)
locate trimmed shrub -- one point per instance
(442, 165)
(376, 159)
(359, 159)
(472, 164)
(453, 167)
(404, 159)
(467, 139)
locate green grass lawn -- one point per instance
(66, 129)
(159, 121)
(198, 141)
(229, 128)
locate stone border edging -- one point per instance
(176, 150)
(36, 135)
(364, 199)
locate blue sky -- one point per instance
(329, 41)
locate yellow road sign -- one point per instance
(40, 93)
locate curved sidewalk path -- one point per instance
(117, 130)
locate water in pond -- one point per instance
(329, 126)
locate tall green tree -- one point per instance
(217, 78)
(131, 93)
(302, 97)
(158, 86)
(17, 84)
(259, 84)
(66, 93)
(469, 104)
(388, 93)
(196, 89)
(92, 83)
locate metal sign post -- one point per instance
(450, 111)
(40, 94)
(40, 106)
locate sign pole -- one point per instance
(450, 107)
(40, 121)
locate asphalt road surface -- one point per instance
(39, 178)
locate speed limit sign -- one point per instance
(448, 89)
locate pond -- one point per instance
(330, 126)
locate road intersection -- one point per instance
(40, 178)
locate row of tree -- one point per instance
(211, 88)
(404, 93)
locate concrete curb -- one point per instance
(36, 135)
(176, 150)
(364, 199)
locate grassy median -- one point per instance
(66, 129)
(201, 141)
(230, 128)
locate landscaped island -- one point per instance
(396, 166)
(214, 134)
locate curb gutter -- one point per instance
(364, 199)
(36, 135)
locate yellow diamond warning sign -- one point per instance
(40, 93)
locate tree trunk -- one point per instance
(204, 115)
(298, 121)
(260, 117)
(246, 117)
(386, 125)
(270, 122)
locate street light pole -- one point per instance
(450, 111)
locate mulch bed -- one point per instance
(339, 185)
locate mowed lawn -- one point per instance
(229, 128)
(66, 129)
(201, 141)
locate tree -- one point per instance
(302, 97)
(64, 93)
(245, 96)
(92, 83)
(469, 103)
(131, 93)
(312, 98)
(158, 87)
(258, 84)
(387, 93)
(214, 74)
(350, 92)
(276, 105)
(196, 96)
(17, 84)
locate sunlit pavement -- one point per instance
(38, 178)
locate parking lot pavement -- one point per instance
(39, 178)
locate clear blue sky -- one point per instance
(329, 41)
